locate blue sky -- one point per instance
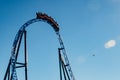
(88, 27)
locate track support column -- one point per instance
(25, 53)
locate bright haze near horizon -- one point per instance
(90, 30)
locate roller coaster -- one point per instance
(64, 65)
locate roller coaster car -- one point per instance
(47, 18)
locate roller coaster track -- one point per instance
(64, 65)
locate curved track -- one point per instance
(11, 73)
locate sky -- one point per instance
(90, 30)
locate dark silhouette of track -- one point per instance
(64, 65)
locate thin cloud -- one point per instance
(110, 44)
(81, 59)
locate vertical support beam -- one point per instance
(25, 49)
(64, 71)
(60, 63)
(63, 66)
